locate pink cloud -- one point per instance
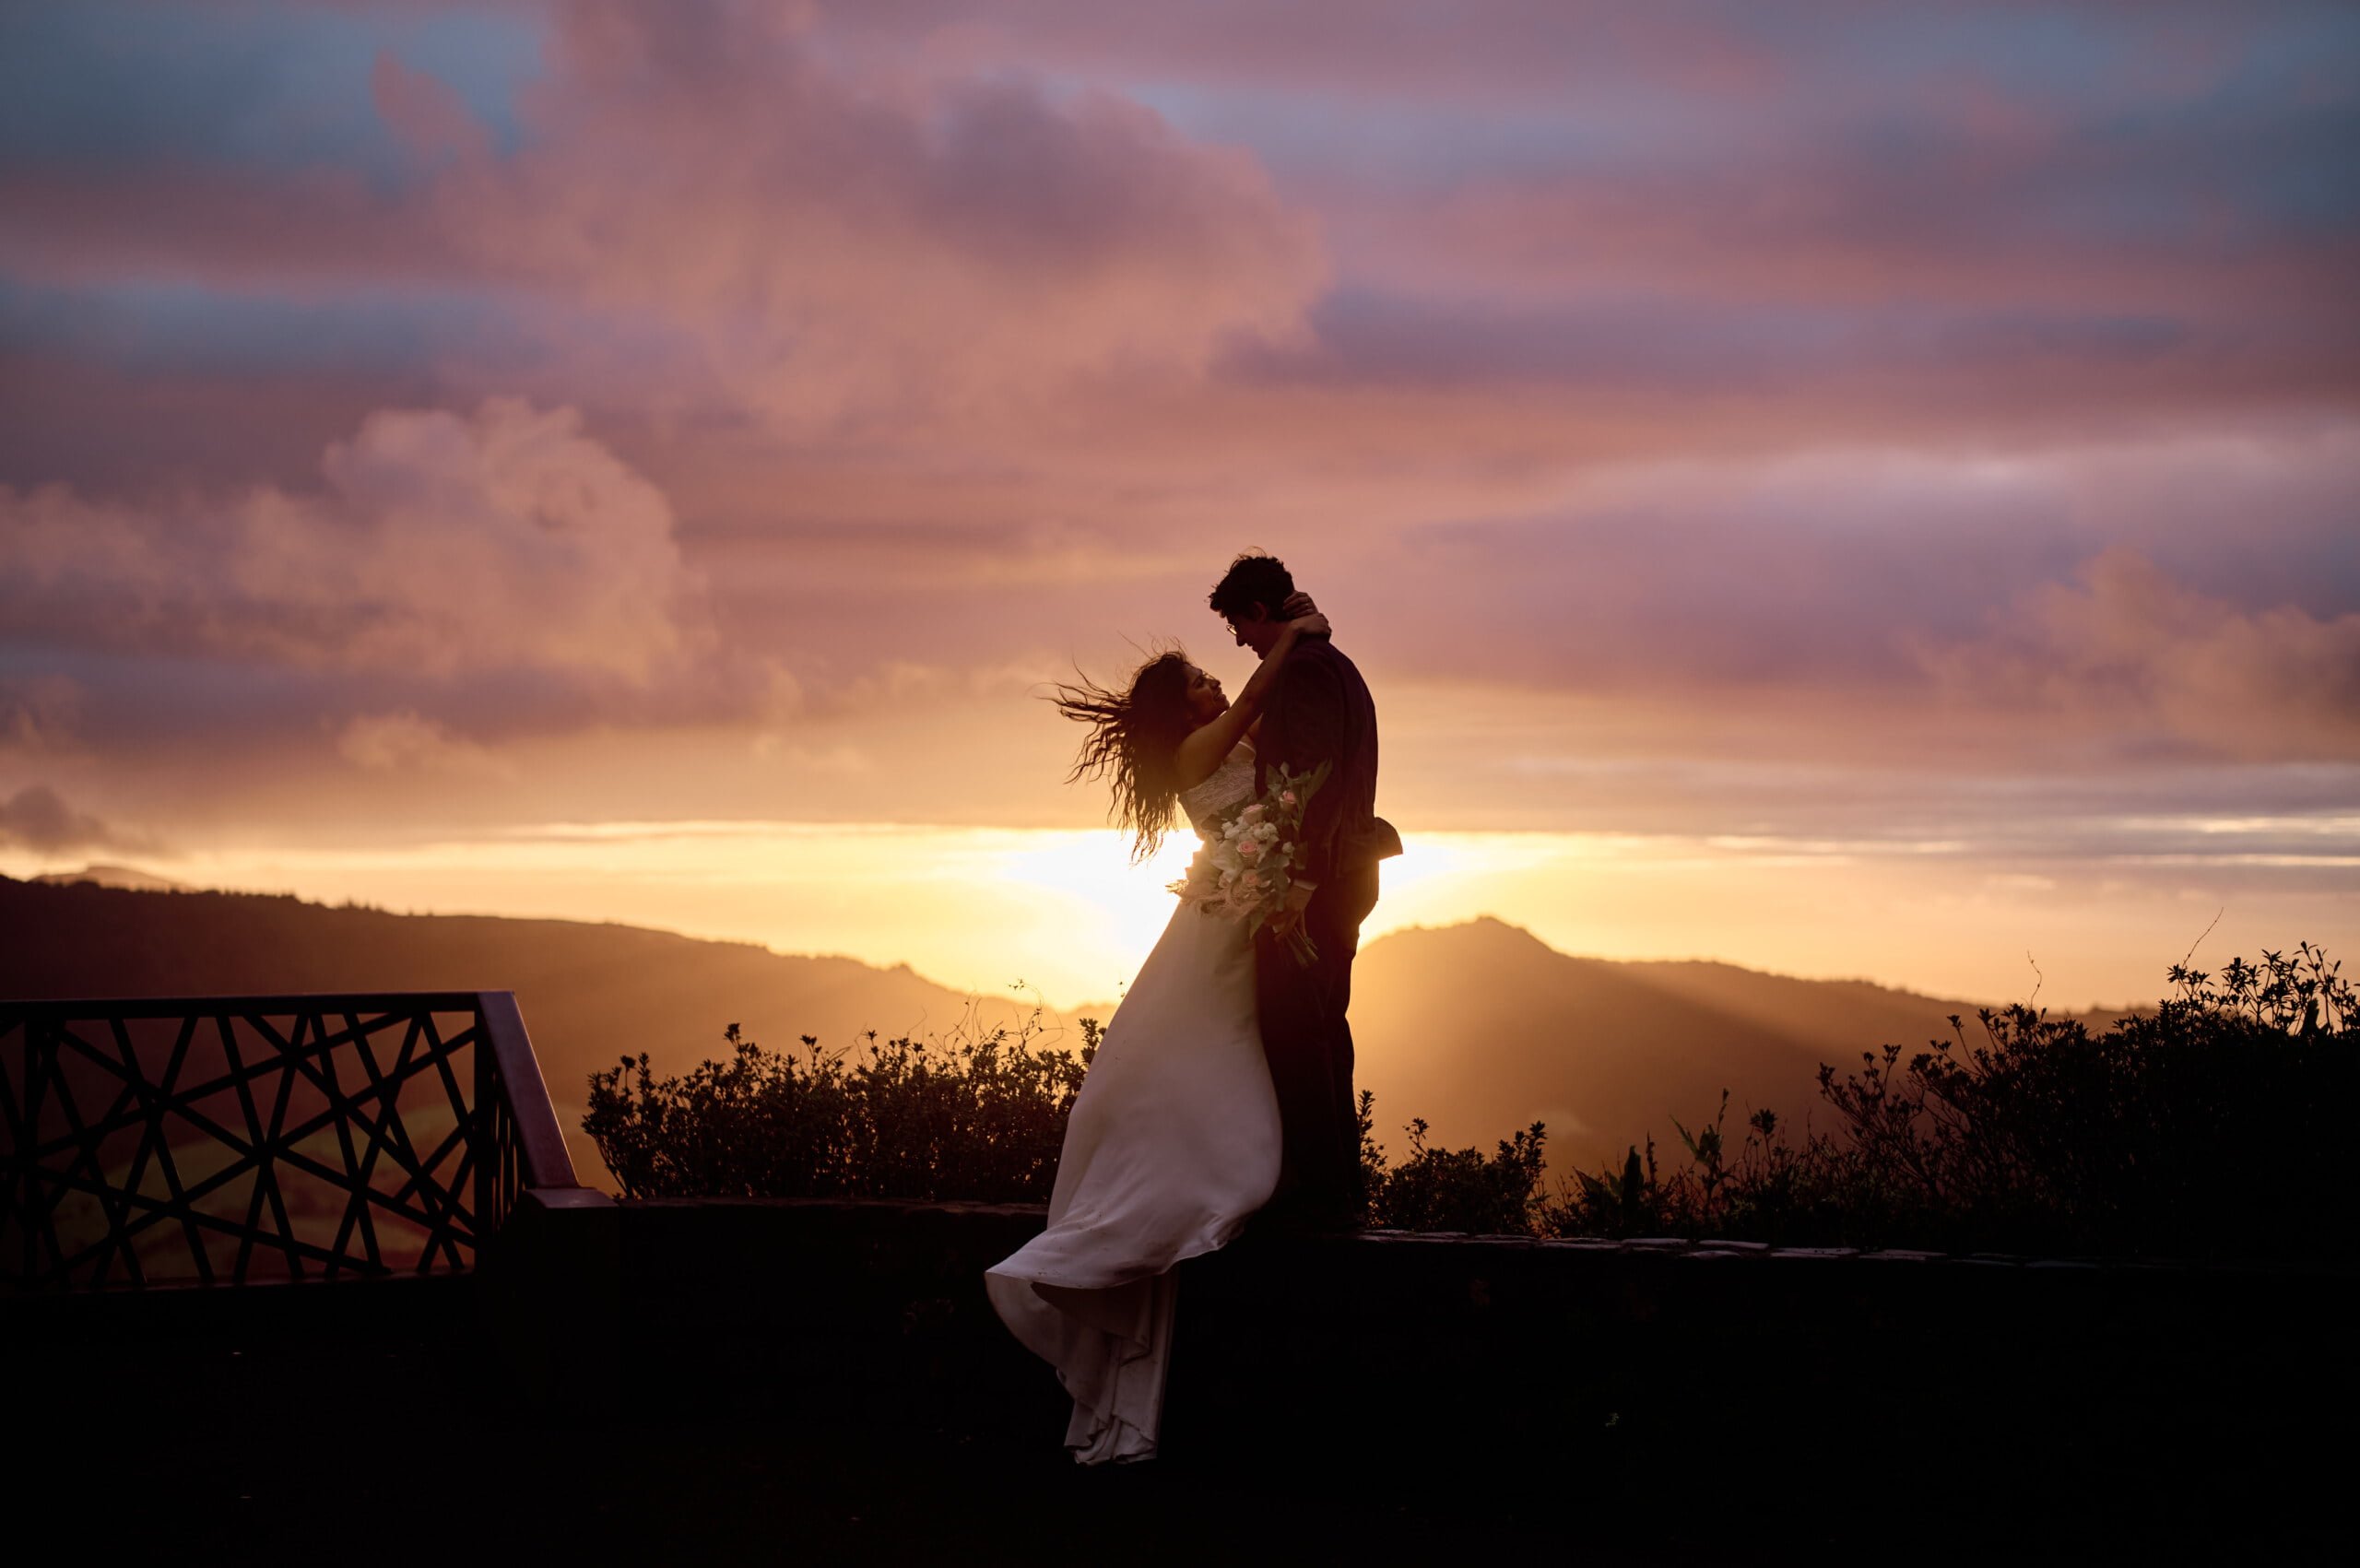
(866, 231)
(37, 818)
(437, 544)
(835, 245)
(2131, 658)
(1573, 359)
(404, 740)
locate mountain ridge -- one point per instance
(591, 992)
(1479, 1028)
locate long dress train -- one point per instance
(1173, 1143)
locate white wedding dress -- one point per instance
(1173, 1141)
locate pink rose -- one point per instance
(1252, 813)
(1250, 849)
(1286, 798)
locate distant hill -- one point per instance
(1480, 1029)
(589, 994)
(112, 876)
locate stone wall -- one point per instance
(747, 1381)
(1426, 1350)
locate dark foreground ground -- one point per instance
(373, 1424)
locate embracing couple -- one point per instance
(1224, 1086)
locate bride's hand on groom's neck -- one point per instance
(1302, 618)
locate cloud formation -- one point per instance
(403, 740)
(825, 247)
(2127, 655)
(1714, 389)
(438, 546)
(38, 819)
(838, 246)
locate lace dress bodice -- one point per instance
(1213, 802)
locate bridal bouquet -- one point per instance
(1246, 873)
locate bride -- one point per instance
(1174, 1139)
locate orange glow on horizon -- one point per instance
(1063, 914)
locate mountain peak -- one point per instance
(1486, 932)
(126, 877)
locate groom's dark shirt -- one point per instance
(1320, 712)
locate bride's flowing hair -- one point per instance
(1134, 743)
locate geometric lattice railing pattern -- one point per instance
(229, 1140)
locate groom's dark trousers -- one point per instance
(1309, 1046)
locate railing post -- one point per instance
(540, 1146)
(485, 1113)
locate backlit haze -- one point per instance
(1852, 490)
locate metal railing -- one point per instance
(231, 1139)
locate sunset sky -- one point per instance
(1860, 490)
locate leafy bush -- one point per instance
(1451, 1189)
(977, 1116)
(2212, 1125)
(1770, 1190)
(2209, 1127)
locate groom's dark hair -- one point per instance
(1252, 579)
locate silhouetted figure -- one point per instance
(1174, 1141)
(1320, 715)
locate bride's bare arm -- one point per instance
(1207, 745)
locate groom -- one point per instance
(1318, 712)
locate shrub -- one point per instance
(2210, 1127)
(976, 1115)
(1808, 1194)
(1452, 1189)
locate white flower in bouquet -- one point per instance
(1246, 871)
